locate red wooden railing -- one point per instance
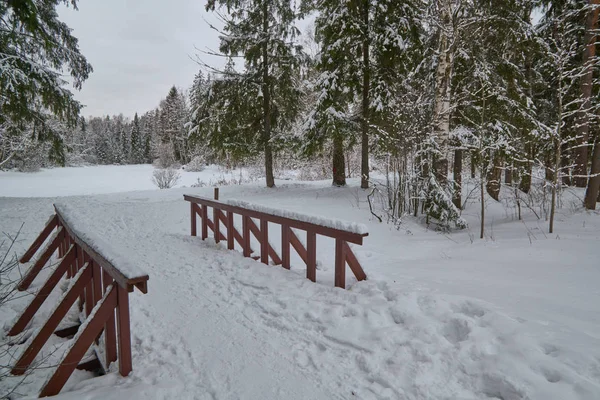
(103, 293)
(224, 213)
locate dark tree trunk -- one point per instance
(364, 164)
(457, 171)
(549, 168)
(266, 92)
(339, 162)
(583, 116)
(494, 178)
(473, 165)
(508, 175)
(592, 193)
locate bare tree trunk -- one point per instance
(555, 183)
(339, 162)
(473, 165)
(494, 178)
(592, 193)
(364, 163)
(266, 92)
(457, 172)
(441, 113)
(583, 116)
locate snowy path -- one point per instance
(217, 326)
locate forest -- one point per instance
(412, 96)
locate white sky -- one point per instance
(139, 49)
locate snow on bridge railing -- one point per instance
(223, 212)
(100, 278)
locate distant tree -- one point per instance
(137, 145)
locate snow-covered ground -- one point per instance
(101, 179)
(442, 316)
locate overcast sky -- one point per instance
(139, 49)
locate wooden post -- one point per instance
(230, 231)
(78, 349)
(110, 332)
(340, 264)
(89, 289)
(246, 235)
(285, 246)
(125, 365)
(216, 224)
(264, 243)
(216, 194)
(193, 218)
(311, 256)
(204, 222)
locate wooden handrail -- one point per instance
(224, 212)
(125, 282)
(352, 237)
(103, 293)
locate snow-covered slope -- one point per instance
(514, 316)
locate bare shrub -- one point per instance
(165, 178)
(196, 165)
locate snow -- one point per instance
(99, 179)
(339, 224)
(442, 316)
(76, 218)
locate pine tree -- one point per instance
(263, 33)
(137, 149)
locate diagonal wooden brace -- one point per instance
(82, 342)
(40, 262)
(85, 275)
(353, 263)
(259, 236)
(44, 292)
(50, 225)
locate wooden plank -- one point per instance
(82, 343)
(43, 293)
(217, 225)
(246, 236)
(212, 228)
(353, 263)
(348, 236)
(103, 262)
(124, 333)
(340, 264)
(89, 290)
(52, 322)
(48, 228)
(230, 230)
(285, 246)
(257, 233)
(264, 244)
(311, 261)
(193, 218)
(110, 330)
(40, 262)
(297, 244)
(204, 222)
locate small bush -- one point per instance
(165, 178)
(196, 165)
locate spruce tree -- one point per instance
(263, 33)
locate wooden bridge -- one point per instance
(101, 287)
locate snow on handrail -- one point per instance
(117, 264)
